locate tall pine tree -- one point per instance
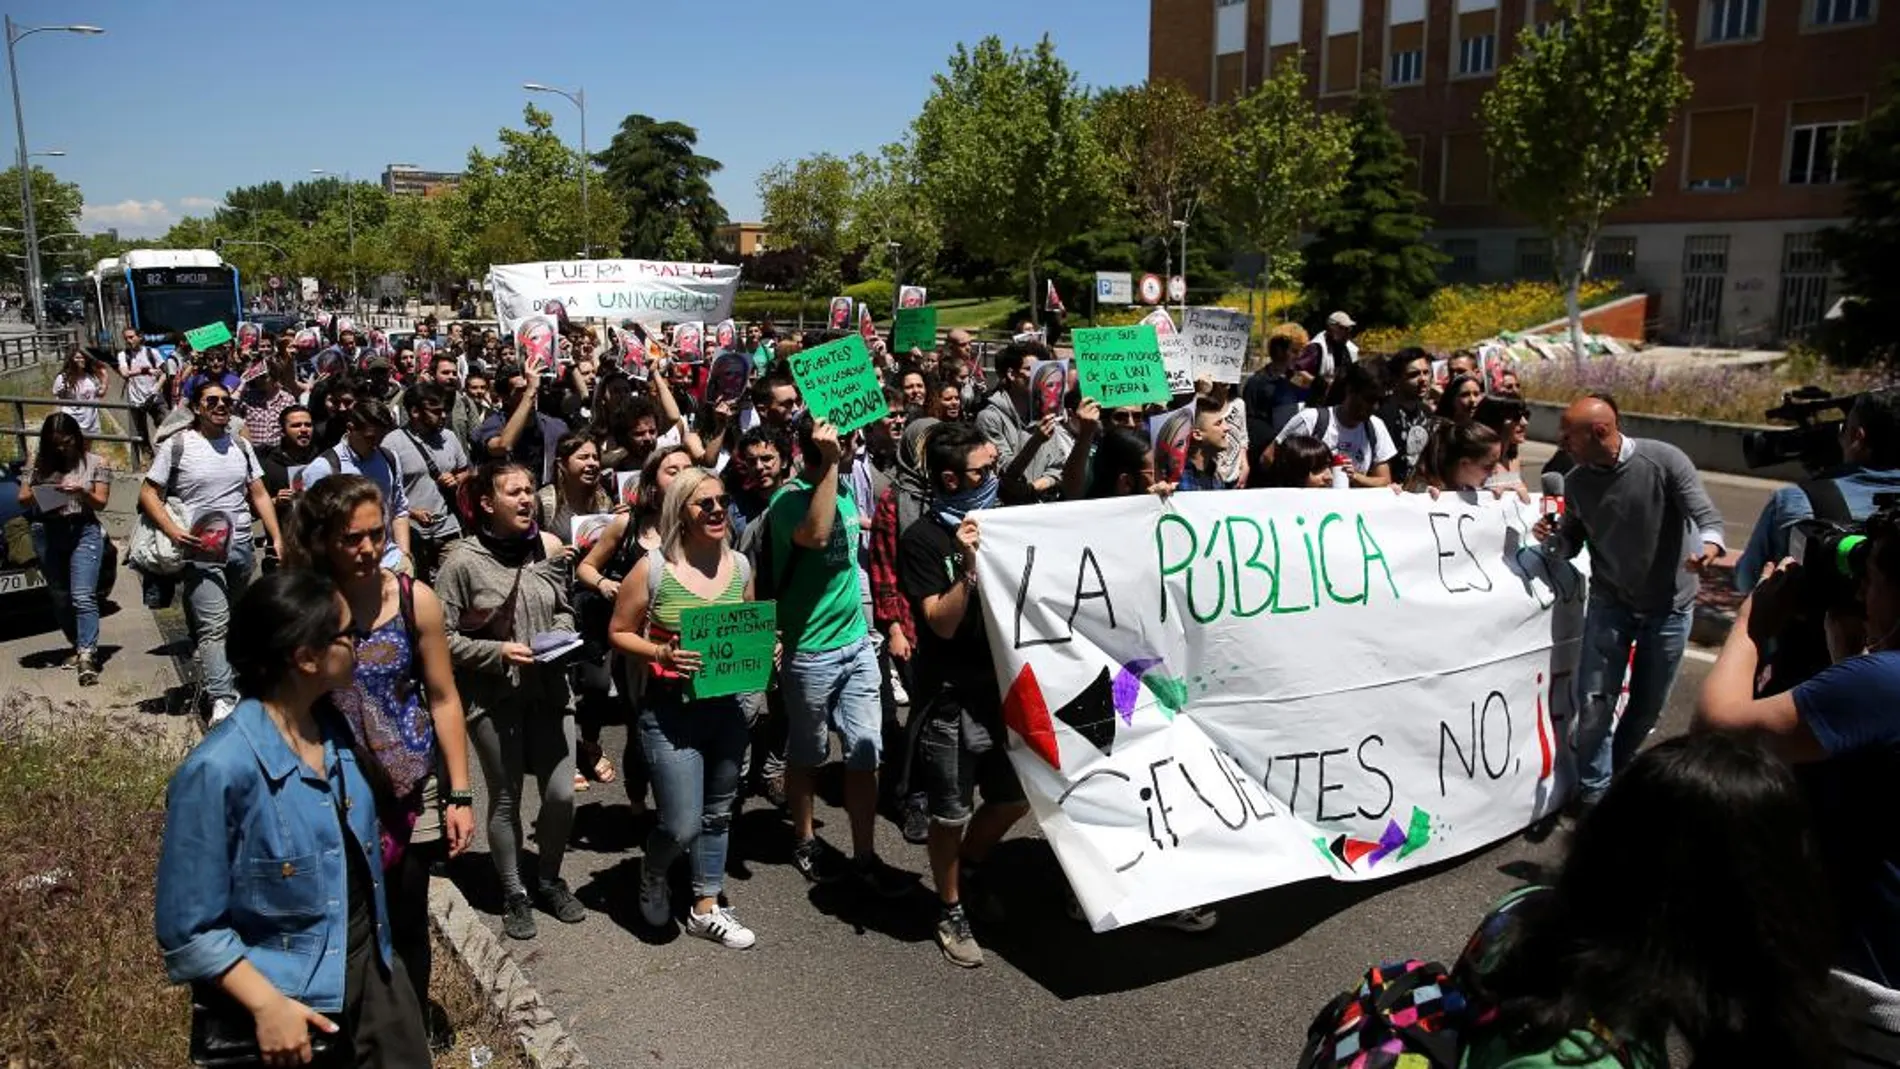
(1368, 256)
(1867, 250)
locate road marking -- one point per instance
(1696, 653)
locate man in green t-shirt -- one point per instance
(830, 677)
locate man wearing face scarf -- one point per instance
(959, 724)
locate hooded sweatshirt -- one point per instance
(485, 604)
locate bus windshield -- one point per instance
(174, 311)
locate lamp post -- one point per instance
(14, 33)
(579, 99)
(1181, 225)
(897, 278)
(349, 196)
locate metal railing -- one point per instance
(20, 350)
(23, 432)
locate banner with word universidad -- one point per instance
(1216, 693)
(649, 292)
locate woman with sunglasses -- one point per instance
(220, 483)
(269, 895)
(694, 748)
(1510, 417)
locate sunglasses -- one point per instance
(215, 401)
(985, 471)
(720, 502)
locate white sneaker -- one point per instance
(222, 708)
(656, 903)
(898, 694)
(720, 926)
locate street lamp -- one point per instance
(14, 33)
(349, 193)
(1181, 225)
(897, 279)
(579, 99)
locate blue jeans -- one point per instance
(1609, 631)
(694, 753)
(71, 552)
(834, 689)
(210, 591)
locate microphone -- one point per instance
(1553, 486)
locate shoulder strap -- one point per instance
(250, 458)
(335, 461)
(1322, 421)
(435, 473)
(1826, 501)
(406, 604)
(178, 457)
(656, 570)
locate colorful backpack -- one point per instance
(1403, 1015)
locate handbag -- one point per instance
(224, 1034)
(150, 552)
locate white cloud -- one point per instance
(197, 204)
(133, 218)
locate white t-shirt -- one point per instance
(213, 476)
(141, 388)
(83, 388)
(1368, 445)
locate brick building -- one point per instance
(408, 180)
(1726, 242)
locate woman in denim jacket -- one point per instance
(270, 880)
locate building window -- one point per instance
(1533, 259)
(1719, 144)
(1407, 68)
(1615, 258)
(1733, 20)
(1813, 153)
(1478, 55)
(1461, 264)
(1842, 12)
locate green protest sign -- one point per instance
(207, 336)
(734, 643)
(1120, 366)
(916, 328)
(839, 384)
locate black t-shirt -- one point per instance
(928, 564)
(1410, 427)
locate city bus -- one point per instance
(161, 293)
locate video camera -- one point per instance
(1833, 559)
(1813, 441)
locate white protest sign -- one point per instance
(1217, 693)
(1174, 351)
(645, 291)
(1114, 287)
(1217, 342)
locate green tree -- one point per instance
(1008, 157)
(807, 204)
(1165, 147)
(56, 207)
(1575, 124)
(523, 203)
(1368, 255)
(655, 171)
(888, 205)
(1867, 252)
(1284, 162)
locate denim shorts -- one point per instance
(949, 772)
(839, 690)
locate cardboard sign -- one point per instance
(586, 530)
(1217, 342)
(839, 384)
(735, 644)
(840, 315)
(915, 328)
(1047, 385)
(535, 343)
(627, 487)
(689, 340)
(207, 336)
(726, 334)
(911, 297)
(1121, 366)
(1174, 351)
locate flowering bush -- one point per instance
(1736, 394)
(1460, 316)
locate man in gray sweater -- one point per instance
(1651, 528)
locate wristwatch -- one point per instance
(461, 797)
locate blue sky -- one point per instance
(182, 100)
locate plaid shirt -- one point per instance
(888, 604)
(261, 424)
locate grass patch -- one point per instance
(1726, 393)
(82, 983)
(976, 313)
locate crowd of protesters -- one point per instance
(433, 586)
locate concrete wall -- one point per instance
(1712, 446)
(1624, 317)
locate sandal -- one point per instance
(590, 763)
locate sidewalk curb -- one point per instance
(541, 1035)
(1711, 626)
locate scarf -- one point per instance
(513, 552)
(912, 482)
(952, 508)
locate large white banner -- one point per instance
(1217, 693)
(649, 292)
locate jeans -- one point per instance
(71, 551)
(833, 689)
(210, 591)
(511, 743)
(1609, 630)
(694, 753)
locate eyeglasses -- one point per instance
(985, 471)
(214, 401)
(720, 502)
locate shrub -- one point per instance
(777, 306)
(1460, 316)
(876, 292)
(1730, 393)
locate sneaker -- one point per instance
(517, 921)
(656, 903)
(916, 822)
(71, 662)
(816, 861)
(956, 940)
(775, 791)
(558, 900)
(88, 669)
(222, 708)
(1198, 919)
(899, 695)
(881, 879)
(720, 926)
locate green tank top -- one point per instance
(674, 598)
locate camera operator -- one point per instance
(1870, 452)
(1842, 726)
